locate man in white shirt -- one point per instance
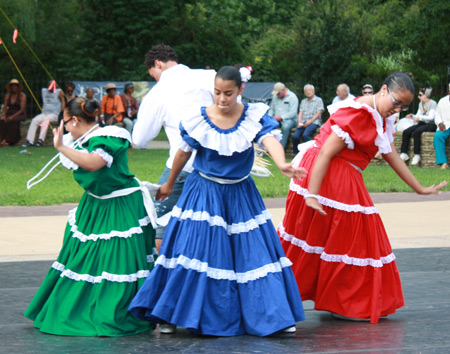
(342, 94)
(179, 92)
(442, 120)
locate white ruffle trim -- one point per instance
(105, 156)
(275, 133)
(94, 237)
(356, 208)
(360, 262)
(223, 274)
(118, 278)
(110, 130)
(68, 163)
(383, 139)
(226, 144)
(216, 220)
(344, 136)
(151, 257)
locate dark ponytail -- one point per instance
(84, 108)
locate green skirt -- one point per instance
(107, 253)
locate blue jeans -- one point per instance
(286, 126)
(439, 145)
(306, 133)
(163, 207)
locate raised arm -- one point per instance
(89, 162)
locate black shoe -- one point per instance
(28, 144)
(39, 143)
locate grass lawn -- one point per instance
(59, 187)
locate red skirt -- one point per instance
(342, 261)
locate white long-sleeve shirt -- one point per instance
(179, 93)
(443, 112)
(426, 111)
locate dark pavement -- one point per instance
(422, 326)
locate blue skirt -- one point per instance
(221, 270)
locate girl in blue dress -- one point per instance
(221, 270)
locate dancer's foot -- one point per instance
(167, 328)
(289, 329)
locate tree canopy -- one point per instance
(323, 42)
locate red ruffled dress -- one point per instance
(343, 261)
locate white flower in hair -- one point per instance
(246, 73)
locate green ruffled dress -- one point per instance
(107, 253)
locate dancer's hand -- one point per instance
(314, 204)
(163, 192)
(292, 172)
(432, 189)
(58, 135)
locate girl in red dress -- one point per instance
(331, 231)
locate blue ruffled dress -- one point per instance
(221, 270)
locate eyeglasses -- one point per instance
(67, 121)
(367, 92)
(396, 103)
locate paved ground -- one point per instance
(418, 229)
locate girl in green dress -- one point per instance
(109, 246)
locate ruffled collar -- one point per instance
(227, 141)
(384, 137)
(110, 130)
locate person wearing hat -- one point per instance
(12, 114)
(284, 108)
(112, 106)
(53, 104)
(367, 90)
(130, 105)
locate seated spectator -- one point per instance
(130, 105)
(284, 108)
(53, 105)
(311, 109)
(90, 96)
(342, 94)
(112, 107)
(424, 122)
(12, 114)
(442, 120)
(367, 90)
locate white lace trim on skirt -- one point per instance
(216, 220)
(361, 262)
(223, 274)
(118, 278)
(94, 237)
(356, 208)
(151, 257)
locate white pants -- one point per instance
(38, 120)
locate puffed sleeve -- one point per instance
(354, 126)
(188, 143)
(106, 147)
(269, 128)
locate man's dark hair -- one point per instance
(160, 52)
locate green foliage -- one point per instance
(324, 42)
